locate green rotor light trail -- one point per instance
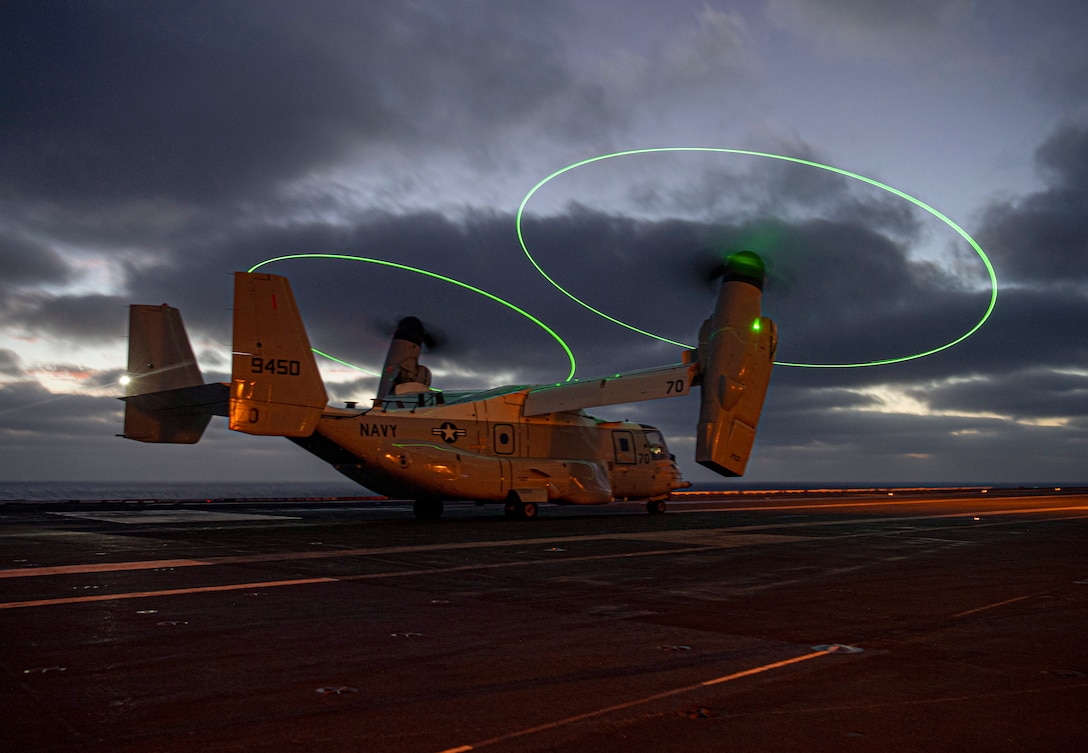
(797, 160)
(334, 359)
(425, 273)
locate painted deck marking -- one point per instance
(636, 702)
(154, 517)
(99, 567)
(731, 539)
(168, 592)
(994, 606)
(345, 578)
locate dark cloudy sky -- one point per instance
(149, 149)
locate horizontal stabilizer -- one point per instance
(175, 416)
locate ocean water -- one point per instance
(135, 491)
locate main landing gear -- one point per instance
(521, 510)
(656, 506)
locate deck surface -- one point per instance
(916, 621)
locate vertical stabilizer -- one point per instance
(159, 355)
(276, 388)
(736, 354)
(160, 366)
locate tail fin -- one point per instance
(276, 388)
(736, 354)
(166, 399)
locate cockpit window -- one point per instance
(657, 444)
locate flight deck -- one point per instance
(883, 620)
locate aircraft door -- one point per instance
(623, 443)
(500, 431)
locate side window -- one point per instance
(623, 442)
(503, 437)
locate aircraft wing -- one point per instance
(648, 384)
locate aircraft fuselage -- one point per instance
(484, 450)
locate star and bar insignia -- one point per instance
(449, 432)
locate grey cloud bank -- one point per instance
(149, 150)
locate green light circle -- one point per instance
(783, 158)
(425, 273)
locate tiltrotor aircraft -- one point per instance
(516, 446)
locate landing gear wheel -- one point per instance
(656, 506)
(428, 509)
(520, 510)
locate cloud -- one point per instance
(1042, 239)
(24, 262)
(46, 436)
(1055, 56)
(73, 318)
(713, 56)
(10, 363)
(844, 287)
(880, 30)
(207, 102)
(28, 410)
(148, 151)
(849, 286)
(1032, 394)
(158, 100)
(1064, 156)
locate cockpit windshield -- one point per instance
(658, 450)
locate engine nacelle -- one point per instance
(736, 354)
(402, 372)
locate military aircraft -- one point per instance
(519, 446)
